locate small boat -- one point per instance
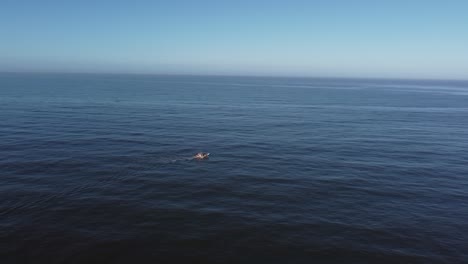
(201, 156)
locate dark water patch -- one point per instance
(99, 169)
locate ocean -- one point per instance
(97, 168)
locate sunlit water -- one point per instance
(97, 168)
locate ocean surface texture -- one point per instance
(98, 169)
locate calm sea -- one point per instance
(97, 169)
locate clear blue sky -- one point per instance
(362, 38)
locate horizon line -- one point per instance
(238, 75)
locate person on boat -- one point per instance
(201, 155)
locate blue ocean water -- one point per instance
(98, 169)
